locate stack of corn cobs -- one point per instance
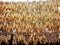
(30, 22)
